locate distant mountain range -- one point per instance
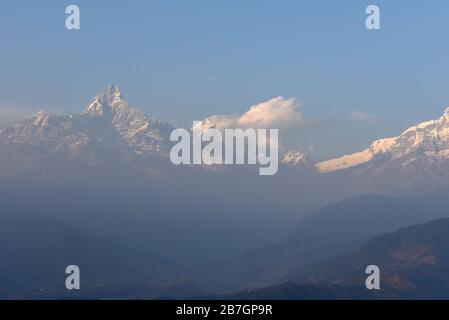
(107, 171)
(111, 129)
(109, 124)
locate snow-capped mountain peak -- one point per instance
(143, 134)
(295, 158)
(423, 143)
(105, 102)
(108, 122)
(41, 118)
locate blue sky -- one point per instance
(185, 60)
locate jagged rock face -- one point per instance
(295, 158)
(108, 123)
(143, 134)
(49, 133)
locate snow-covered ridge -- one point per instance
(348, 161)
(108, 121)
(111, 127)
(428, 139)
(104, 103)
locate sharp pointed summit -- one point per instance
(108, 123)
(145, 135)
(102, 104)
(112, 89)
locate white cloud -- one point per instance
(362, 116)
(276, 113)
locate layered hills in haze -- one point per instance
(413, 261)
(36, 252)
(131, 218)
